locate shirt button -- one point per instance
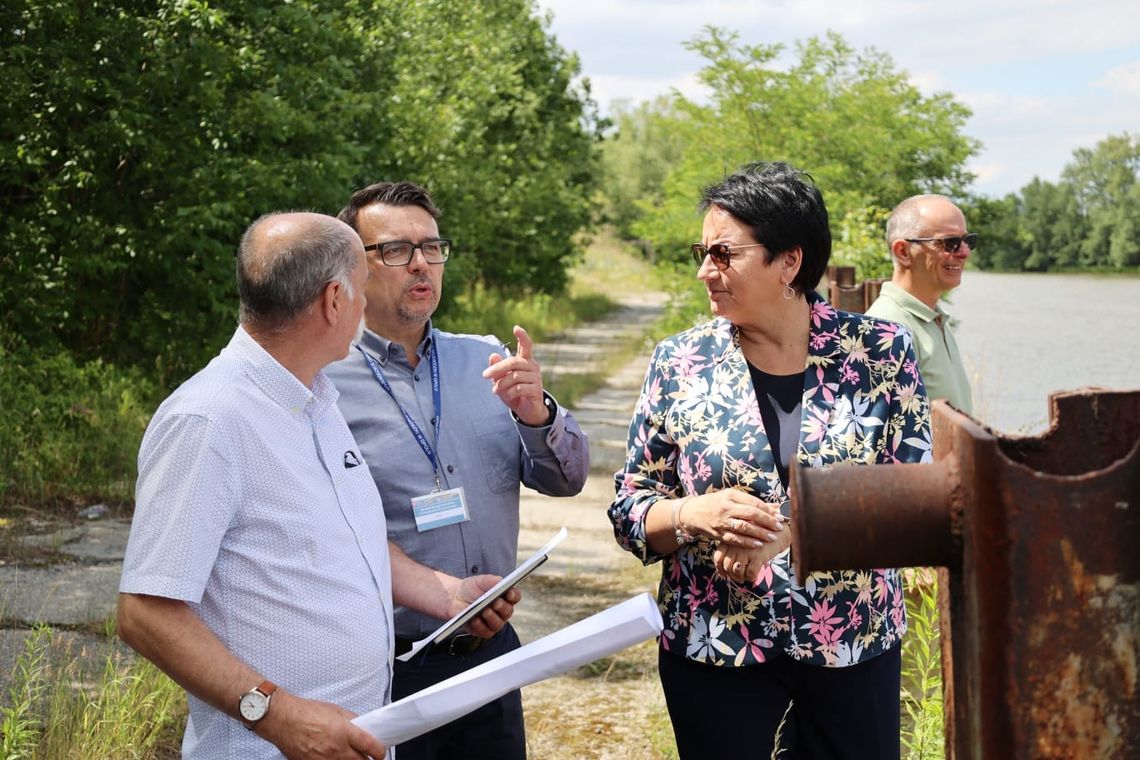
(416, 378)
(450, 468)
(474, 568)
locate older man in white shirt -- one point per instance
(258, 574)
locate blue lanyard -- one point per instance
(436, 398)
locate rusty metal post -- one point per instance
(1041, 536)
(842, 276)
(846, 294)
(871, 290)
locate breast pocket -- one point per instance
(498, 442)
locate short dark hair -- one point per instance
(277, 281)
(784, 209)
(389, 194)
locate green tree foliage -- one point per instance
(638, 157)
(864, 132)
(1052, 225)
(484, 111)
(858, 240)
(1090, 218)
(145, 136)
(1003, 245)
(140, 138)
(1106, 184)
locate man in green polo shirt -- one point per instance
(929, 245)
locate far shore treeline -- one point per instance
(138, 139)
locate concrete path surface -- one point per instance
(590, 348)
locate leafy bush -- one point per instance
(72, 428)
(859, 240)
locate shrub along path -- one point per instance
(65, 573)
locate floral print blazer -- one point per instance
(697, 429)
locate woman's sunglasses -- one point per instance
(721, 253)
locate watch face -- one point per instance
(253, 705)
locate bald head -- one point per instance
(284, 262)
(908, 220)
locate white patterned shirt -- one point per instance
(253, 505)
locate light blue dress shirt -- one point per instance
(248, 510)
(481, 447)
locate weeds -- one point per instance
(136, 711)
(20, 721)
(55, 708)
(922, 732)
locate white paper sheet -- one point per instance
(600, 635)
(490, 595)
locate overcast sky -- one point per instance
(1042, 77)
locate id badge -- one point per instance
(439, 508)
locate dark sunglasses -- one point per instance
(950, 244)
(721, 253)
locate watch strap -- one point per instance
(266, 688)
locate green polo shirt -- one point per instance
(938, 358)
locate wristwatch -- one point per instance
(551, 407)
(254, 704)
(551, 410)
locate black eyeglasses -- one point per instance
(721, 253)
(398, 253)
(950, 244)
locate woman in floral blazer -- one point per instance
(749, 650)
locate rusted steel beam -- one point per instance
(861, 519)
(1041, 536)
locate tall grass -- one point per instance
(21, 722)
(607, 269)
(55, 707)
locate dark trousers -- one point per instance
(848, 713)
(494, 731)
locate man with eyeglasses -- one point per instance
(929, 245)
(450, 425)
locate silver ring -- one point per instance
(735, 525)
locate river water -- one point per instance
(1023, 336)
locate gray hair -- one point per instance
(905, 220)
(279, 276)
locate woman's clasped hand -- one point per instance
(732, 518)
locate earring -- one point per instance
(789, 293)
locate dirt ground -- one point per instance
(612, 708)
